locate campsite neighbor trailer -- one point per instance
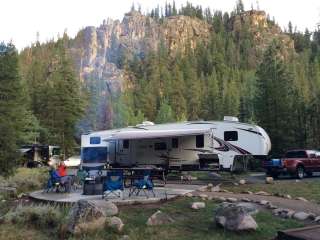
(176, 146)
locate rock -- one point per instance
(242, 181)
(203, 196)
(222, 199)
(270, 206)
(236, 184)
(22, 195)
(9, 192)
(277, 211)
(263, 202)
(85, 211)
(198, 205)
(124, 237)
(301, 216)
(232, 200)
(287, 196)
(317, 219)
(312, 216)
(209, 186)
(288, 214)
(216, 188)
(115, 223)
(234, 218)
(189, 194)
(248, 207)
(269, 180)
(302, 199)
(210, 198)
(159, 218)
(214, 175)
(262, 193)
(247, 192)
(245, 200)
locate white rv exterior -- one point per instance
(183, 146)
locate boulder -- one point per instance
(317, 219)
(221, 199)
(249, 208)
(301, 216)
(203, 196)
(159, 218)
(10, 192)
(189, 194)
(245, 200)
(287, 196)
(302, 199)
(85, 211)
(232, 200)
(242, 181)
(234, 218)
(216, 188)
(263, 202)
(209, 186)
(198, 205)
(262, 193)
(115, 223)
(269, 180)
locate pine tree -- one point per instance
(165, 113)
(11, 108)
(273, 102)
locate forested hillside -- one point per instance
(172, 65)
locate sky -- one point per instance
(21, 20)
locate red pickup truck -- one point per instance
(295, 162)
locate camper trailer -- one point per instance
(176, 146)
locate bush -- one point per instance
(27, 179)
(38, 216)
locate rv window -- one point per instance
(175, 142)
(125, 144)
(94, 154)
(231, 136)
(95, 140)
(160, 146)
(200, 141)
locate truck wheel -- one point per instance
(300, 172)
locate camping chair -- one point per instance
(113, 184)
(54, 183)
(144, 183)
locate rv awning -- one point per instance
(155, 134)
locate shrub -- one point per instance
(27, 179)
(38, 216)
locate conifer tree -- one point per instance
(11, 108)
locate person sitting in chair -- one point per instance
(65, 179)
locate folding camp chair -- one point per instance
(113, 184)
(144, 183)
(54, 183)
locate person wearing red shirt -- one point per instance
(62, 170)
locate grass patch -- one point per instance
(189, 224)
(307, 188)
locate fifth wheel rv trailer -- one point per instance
(176, 146)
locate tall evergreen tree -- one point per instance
(11, 108)
(273, 102)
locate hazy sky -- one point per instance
(20, 20)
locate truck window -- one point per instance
(175, 143)
(231, 136)
(95, 140)
(200, 141)
(160, 146)
(296, 154)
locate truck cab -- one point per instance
(297, 163)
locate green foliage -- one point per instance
(165, 113)
(11, 107)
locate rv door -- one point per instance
(123, 153)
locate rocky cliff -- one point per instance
(98, 50)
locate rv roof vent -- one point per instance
(230, 118)
(145, 123)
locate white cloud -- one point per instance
(21, 20)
